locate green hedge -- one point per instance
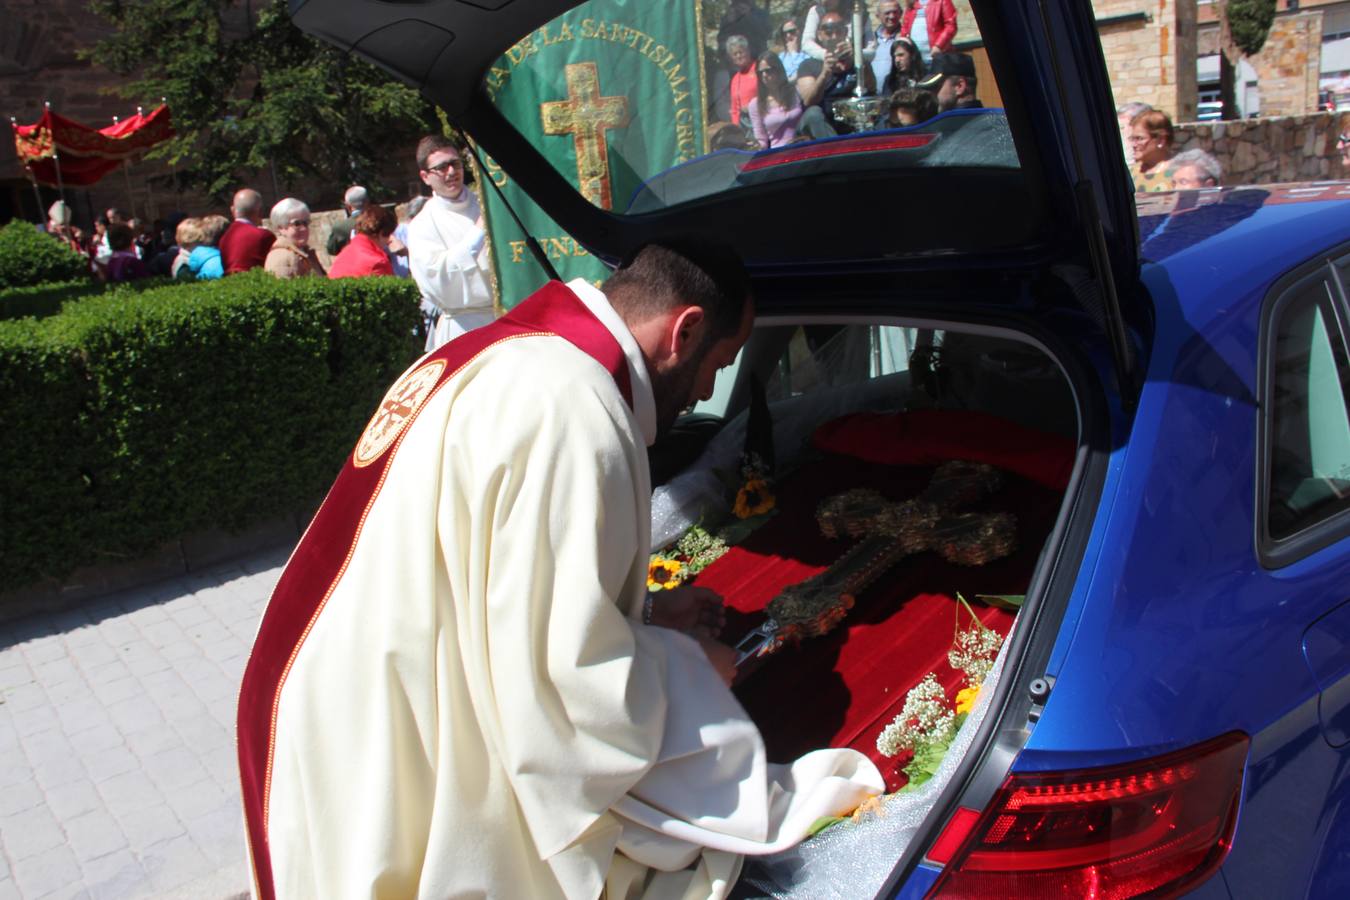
(44, 299)
(132, 420)
(47, 299)
(29, 257)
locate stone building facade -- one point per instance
(40, 63)
(1288, 66)
(1150, 50)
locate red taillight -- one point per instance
(1160, 825)
(832, 147)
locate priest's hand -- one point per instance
(696, 611)
(721, 657)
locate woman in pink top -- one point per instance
(776, 110)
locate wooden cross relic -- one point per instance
(889, 532)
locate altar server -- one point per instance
(460, 688)
(447, 245)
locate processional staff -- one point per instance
(56, 156)
(126, 171)
(173, 163)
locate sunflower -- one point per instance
(965, 699)
(663, 574)
(753, 499)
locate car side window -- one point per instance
(1309, 408)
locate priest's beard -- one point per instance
(674, 393)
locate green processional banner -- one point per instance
(610, 94)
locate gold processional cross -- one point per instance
(586, 116)
(889, 532)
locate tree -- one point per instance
(1243, 27)
(252, 94)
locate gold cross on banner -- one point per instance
(586, 116)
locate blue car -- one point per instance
(1162, 392)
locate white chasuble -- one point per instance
(451, 695)
(448, 258)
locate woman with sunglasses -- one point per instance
(793, 55)
(907, 68)
(777, 108)
(291, 256)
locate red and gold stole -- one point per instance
(322, 556)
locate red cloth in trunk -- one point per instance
(929, 437)
(841, 690)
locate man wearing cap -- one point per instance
(952, 79)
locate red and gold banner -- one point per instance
(86, 154)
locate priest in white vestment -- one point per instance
(447, 245)
(454, 692)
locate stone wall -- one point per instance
(1271, 150)
(1151, 60)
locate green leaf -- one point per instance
(737, 530)
(822, 823)
(1010, 602)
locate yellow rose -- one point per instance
(965, 699)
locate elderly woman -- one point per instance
(1151, 140)
(188, 236)
(743, 86)
(367, 252)
(291, 256)
(1194, 169)
(204, 261)
(777, 107)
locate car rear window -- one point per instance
(643, 106)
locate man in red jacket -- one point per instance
(245, 243)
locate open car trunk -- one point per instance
(1016, 219)
(860, 404)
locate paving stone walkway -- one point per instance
(117, 755)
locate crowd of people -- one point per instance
(781, 85)
(441, 244)
(1150, 150)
